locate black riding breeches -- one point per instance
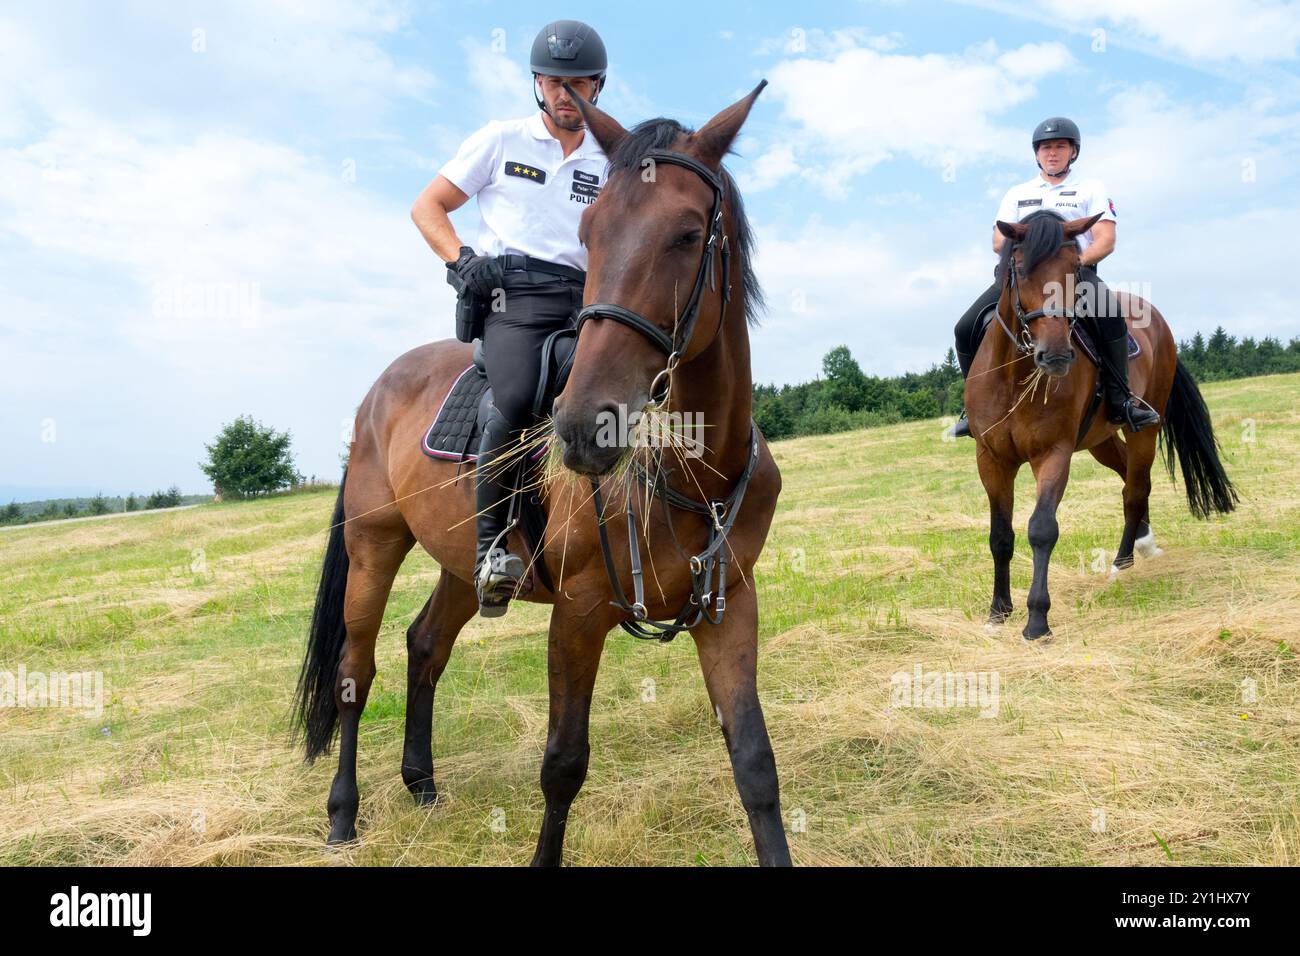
(965, 328)
(535, 306)
(1105, 314)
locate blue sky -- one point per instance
(271, 151)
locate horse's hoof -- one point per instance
(342, 834)
(1037, 640)
(425, 793)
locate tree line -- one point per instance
(57, 508)
(845, 398)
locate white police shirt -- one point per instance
(530, 195)
(1076, 198)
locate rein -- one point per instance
(720, 513)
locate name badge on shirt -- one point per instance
(1070, 192)
(585, 187)
(524, 171)
(1029, 202)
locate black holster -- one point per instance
(471, 310)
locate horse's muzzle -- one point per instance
(590, 442)
(1055, 362)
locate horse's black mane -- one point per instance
(661, 133)
(1046, 235)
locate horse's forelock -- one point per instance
(663, 133)
(1044, 239)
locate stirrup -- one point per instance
(1135, 417)
(497, 578)
(961, 427)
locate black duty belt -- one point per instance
(514, 262)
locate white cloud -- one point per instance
(860, 107)
(1247, 30)
(893, 297)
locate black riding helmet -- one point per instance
(1058, 127)
(568, 48)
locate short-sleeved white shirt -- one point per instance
(530, 195)
(1076, 198)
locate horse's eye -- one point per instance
(687, 239)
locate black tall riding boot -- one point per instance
(496, 571)
(962, 427)
(1120, 407)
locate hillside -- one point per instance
(1161, 725)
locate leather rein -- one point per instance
(707, 600)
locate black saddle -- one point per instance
(458, 424)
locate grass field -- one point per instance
(1162, 725)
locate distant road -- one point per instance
(111, 514)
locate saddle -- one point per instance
(457, 427)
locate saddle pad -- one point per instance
(455, 429)
(1085, 343)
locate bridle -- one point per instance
(675, 345)
(1024, 343)
(721, 513)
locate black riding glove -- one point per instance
(482, 275)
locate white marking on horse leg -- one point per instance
(1147, 547)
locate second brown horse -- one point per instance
(1013, 422)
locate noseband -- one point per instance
(716, 245)
(1024, 343)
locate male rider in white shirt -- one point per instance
(533, 178)
(1056, 143)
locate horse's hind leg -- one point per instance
(374, 555)
(1114, 455)
(428, 646)
(1137, 495)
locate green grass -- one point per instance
(878, 561)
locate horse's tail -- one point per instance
(1188, 434)
(316, 711)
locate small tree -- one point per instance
(98, 505)
(12, 513)
(70, 509)
(131, 503)
(249, 459)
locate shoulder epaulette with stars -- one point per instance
(524, 171)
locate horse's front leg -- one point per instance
(729, 658)
(1051, 471)
(573, 656)
(1000, 484)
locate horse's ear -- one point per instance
(1077, 227)
(604, 127)
(716, 136)
(1013, 230)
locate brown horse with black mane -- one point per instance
(1039, 264)
(668, 243)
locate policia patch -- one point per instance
(524, 171)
